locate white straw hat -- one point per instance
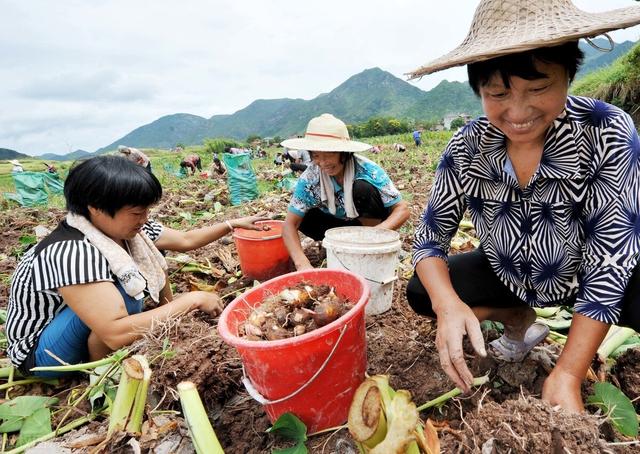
(502, 27)
(15, 162)
(326, 133)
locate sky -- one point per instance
(79, 74)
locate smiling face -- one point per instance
(329, 162)
(525, 110)
(124, 225)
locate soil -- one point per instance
(503, 416)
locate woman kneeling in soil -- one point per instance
(77, 295)
(552, 184)
(339, 188)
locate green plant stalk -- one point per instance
(67, 428)
(137, 413)
(451, 394)
(202, 434)
(115, 357)
(132, 376)
(616, 336)
(86, 392)
(557, 337)
(28, 381)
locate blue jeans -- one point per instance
(67, 336)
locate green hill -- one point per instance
(6, 153)
(371, 93)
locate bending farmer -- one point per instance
(339, 188)
(77, 295)
(552, 185)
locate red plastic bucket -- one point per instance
(313, 375)
(262, 253)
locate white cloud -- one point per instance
(81, 73)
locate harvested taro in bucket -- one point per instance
(294, 311)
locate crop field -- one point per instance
(502, 414)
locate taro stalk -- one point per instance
(202, 434)
(131, 397)
(383, 420)
(616, 336)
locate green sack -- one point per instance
(241, 178)
(30, 188)
(54, 183)
(288, 183)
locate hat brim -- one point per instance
(586, 25)
(14, 162)
(333, 145)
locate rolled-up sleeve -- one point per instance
(441, 217)
(612, 224)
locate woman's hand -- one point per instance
(210, 303)
(249, 222)
(454, 321)
(563, 389)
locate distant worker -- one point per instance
(17, 167)
(400, 148)
(135, 155)
(299, 160)
(191, 162)
(50, 168)
(417, 137)
(218, 167)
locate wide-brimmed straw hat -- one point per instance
(15, 162)
(326, 133)
(502, 27)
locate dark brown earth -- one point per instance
(400, 343)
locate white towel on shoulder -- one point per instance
(328, 195)
(144, 268)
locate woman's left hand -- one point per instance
(563, 389)
(249, 222)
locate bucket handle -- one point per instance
(382, 282)
(255, 394)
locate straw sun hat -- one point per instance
(326, 133)
(15, 162)
(502, 27)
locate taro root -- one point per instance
(293, 312)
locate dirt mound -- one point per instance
(525, 425)
(189, 349)
(627, 371)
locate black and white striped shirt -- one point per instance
(65, 257)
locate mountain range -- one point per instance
(371, 93)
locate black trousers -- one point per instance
(477, 285)
(367, 201)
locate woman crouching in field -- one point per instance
(77, 295)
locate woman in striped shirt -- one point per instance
(77, 295)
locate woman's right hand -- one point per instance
(454, 321)
(209, 302)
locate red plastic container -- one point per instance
(262, 253)
(336, 354)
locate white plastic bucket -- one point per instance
(369, 252)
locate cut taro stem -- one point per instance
(451, 394)
(131, 397)
(202, 434)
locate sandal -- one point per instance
(511, 351)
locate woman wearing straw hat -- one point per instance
(552, 185)
(339, 188)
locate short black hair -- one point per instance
(109, 183)
(523, 64)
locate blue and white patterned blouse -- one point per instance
(575, 228)
(306, 194)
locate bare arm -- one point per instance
(292, 241)
(398, 216)
(175, 240)
(101, 307)
(562, 387)
(455, 319)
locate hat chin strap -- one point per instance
(601, 49)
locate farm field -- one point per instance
(399, 343)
